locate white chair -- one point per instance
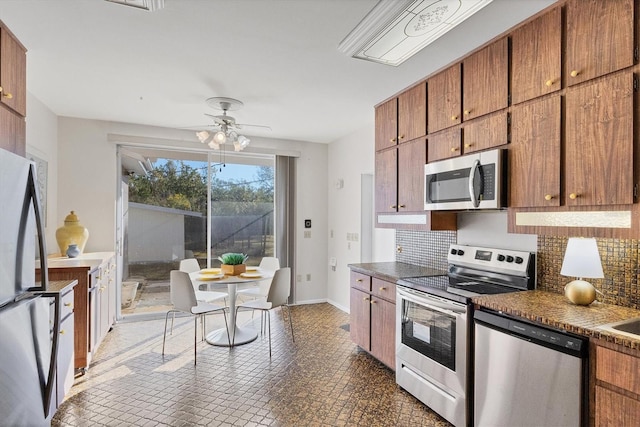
(278, 296)
(190, 265)
(270, 264)
(184, 300)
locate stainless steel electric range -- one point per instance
(434, 317)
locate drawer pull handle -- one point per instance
(468, 145)
(365, 299)
(373, 302)
(548, 197)
(359, 280)
(574, 73)
(454, 149)
(62, 332)
(549, 83)
(573, 196)
(401, 206)
(67, 304)
(467, 112)
(401, 136)
(383, 288)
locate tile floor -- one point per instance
(322, 379)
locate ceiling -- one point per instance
(100, 60)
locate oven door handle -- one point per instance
(433, 304)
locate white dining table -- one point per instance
(239, 334)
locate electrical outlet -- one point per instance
(331, 234)
(307, 234)
(308, 277)
(299, 278)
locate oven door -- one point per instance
(431, 351)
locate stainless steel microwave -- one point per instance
(473, 181)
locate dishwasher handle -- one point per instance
(564, 342)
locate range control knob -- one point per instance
(500, 257)
(460, 252)
(454, 252)
(509, 258)
(519, 260)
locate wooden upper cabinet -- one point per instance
(485, 80)
(12, 132)
(386, 178)
(13, 73)
(412, 157)
(534, 154)
(444, 145)
(412, 113)
(445, 99)
(487, 132)
(599, 38)
(599, 142)
(536, 57)
(387, 124)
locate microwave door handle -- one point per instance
(475, 199)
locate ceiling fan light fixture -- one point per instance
(241, 143)
(203, 135)
(220, 137)
(214, 145)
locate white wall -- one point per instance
(42, 142)
(349, 158)
(88, 182)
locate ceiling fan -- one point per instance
(225, 125)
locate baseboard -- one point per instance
(310, 301)
(336, 305)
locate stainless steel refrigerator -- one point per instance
(28, 329)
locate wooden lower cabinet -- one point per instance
(373, 318)
(94, 309)
(616, 395)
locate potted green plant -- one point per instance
(233, 263)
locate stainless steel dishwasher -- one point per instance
(528, 375)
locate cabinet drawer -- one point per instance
(360, 281)
(66, 305)
(384, 289)
(618, 369)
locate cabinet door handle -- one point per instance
(468, 145)
(467, 112)
(573, 196)
(454, 149)
(548, 197)
(383, 288)
(401, 206)
(549, 83)
(392, 140)
(365, 299)
(401, 137)
(454, 118)
(393, 207)
(359, 280)
(373, 302)
(574, 73)
(6, 94)
(62, 332)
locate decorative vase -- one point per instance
(73, 250)
(233, 270)
(72, 232)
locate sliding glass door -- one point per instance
(189, 205)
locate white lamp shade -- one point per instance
(582, 259)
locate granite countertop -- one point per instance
(61, 285)
(394, 271)
(556, 311)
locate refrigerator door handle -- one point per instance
(53, 360)
(32, 189)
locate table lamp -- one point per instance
(581, 259)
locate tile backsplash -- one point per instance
(620, 262)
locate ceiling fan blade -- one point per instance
(218, 119)
(243, 125)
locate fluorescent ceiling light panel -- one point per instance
(149, 5)
(395, 30)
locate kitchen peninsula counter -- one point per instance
(394, 271)
(556, 311)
